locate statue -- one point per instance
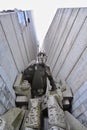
(43, 105)
(46, 100)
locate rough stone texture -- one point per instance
(18, 80)
(22, 88)
(79, 108)
(21, 101)
(83, 119)
(2, 109)
(15, 53)
(73, 123)
(33, 116)
(55, 113)
(12, 118)
(6, 99)
(67, 52)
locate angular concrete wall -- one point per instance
(66, 47)
(18, 46)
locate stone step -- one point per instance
(21, 100)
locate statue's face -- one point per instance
(42, 58)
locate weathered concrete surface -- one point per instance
(73, 123)
(18, 46)
(66, 46)
(12, 119)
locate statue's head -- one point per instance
(41, 57)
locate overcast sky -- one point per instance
(43, 11)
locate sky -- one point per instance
(43, 11)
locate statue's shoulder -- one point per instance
(47, 66)
(31, 64)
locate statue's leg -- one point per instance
(32, 121)
(44, 113)
(56, 115)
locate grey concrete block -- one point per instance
(66, 91)
(21, 100)
(85, 113)
(83, 97)
(83, 88)
(75, 105)
(76, 97)
(8, 105)
(11, 100)
(81, 100)
(78, 111)
(3, 99)
(2, 108)
(82, 118)
(7, 102)
(85, 104)
(1, 82)
(85, 124)
(73, 122)
(8, 95)
(18, 80)
(7, 81)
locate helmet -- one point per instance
(42, 57)
(42, 52)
